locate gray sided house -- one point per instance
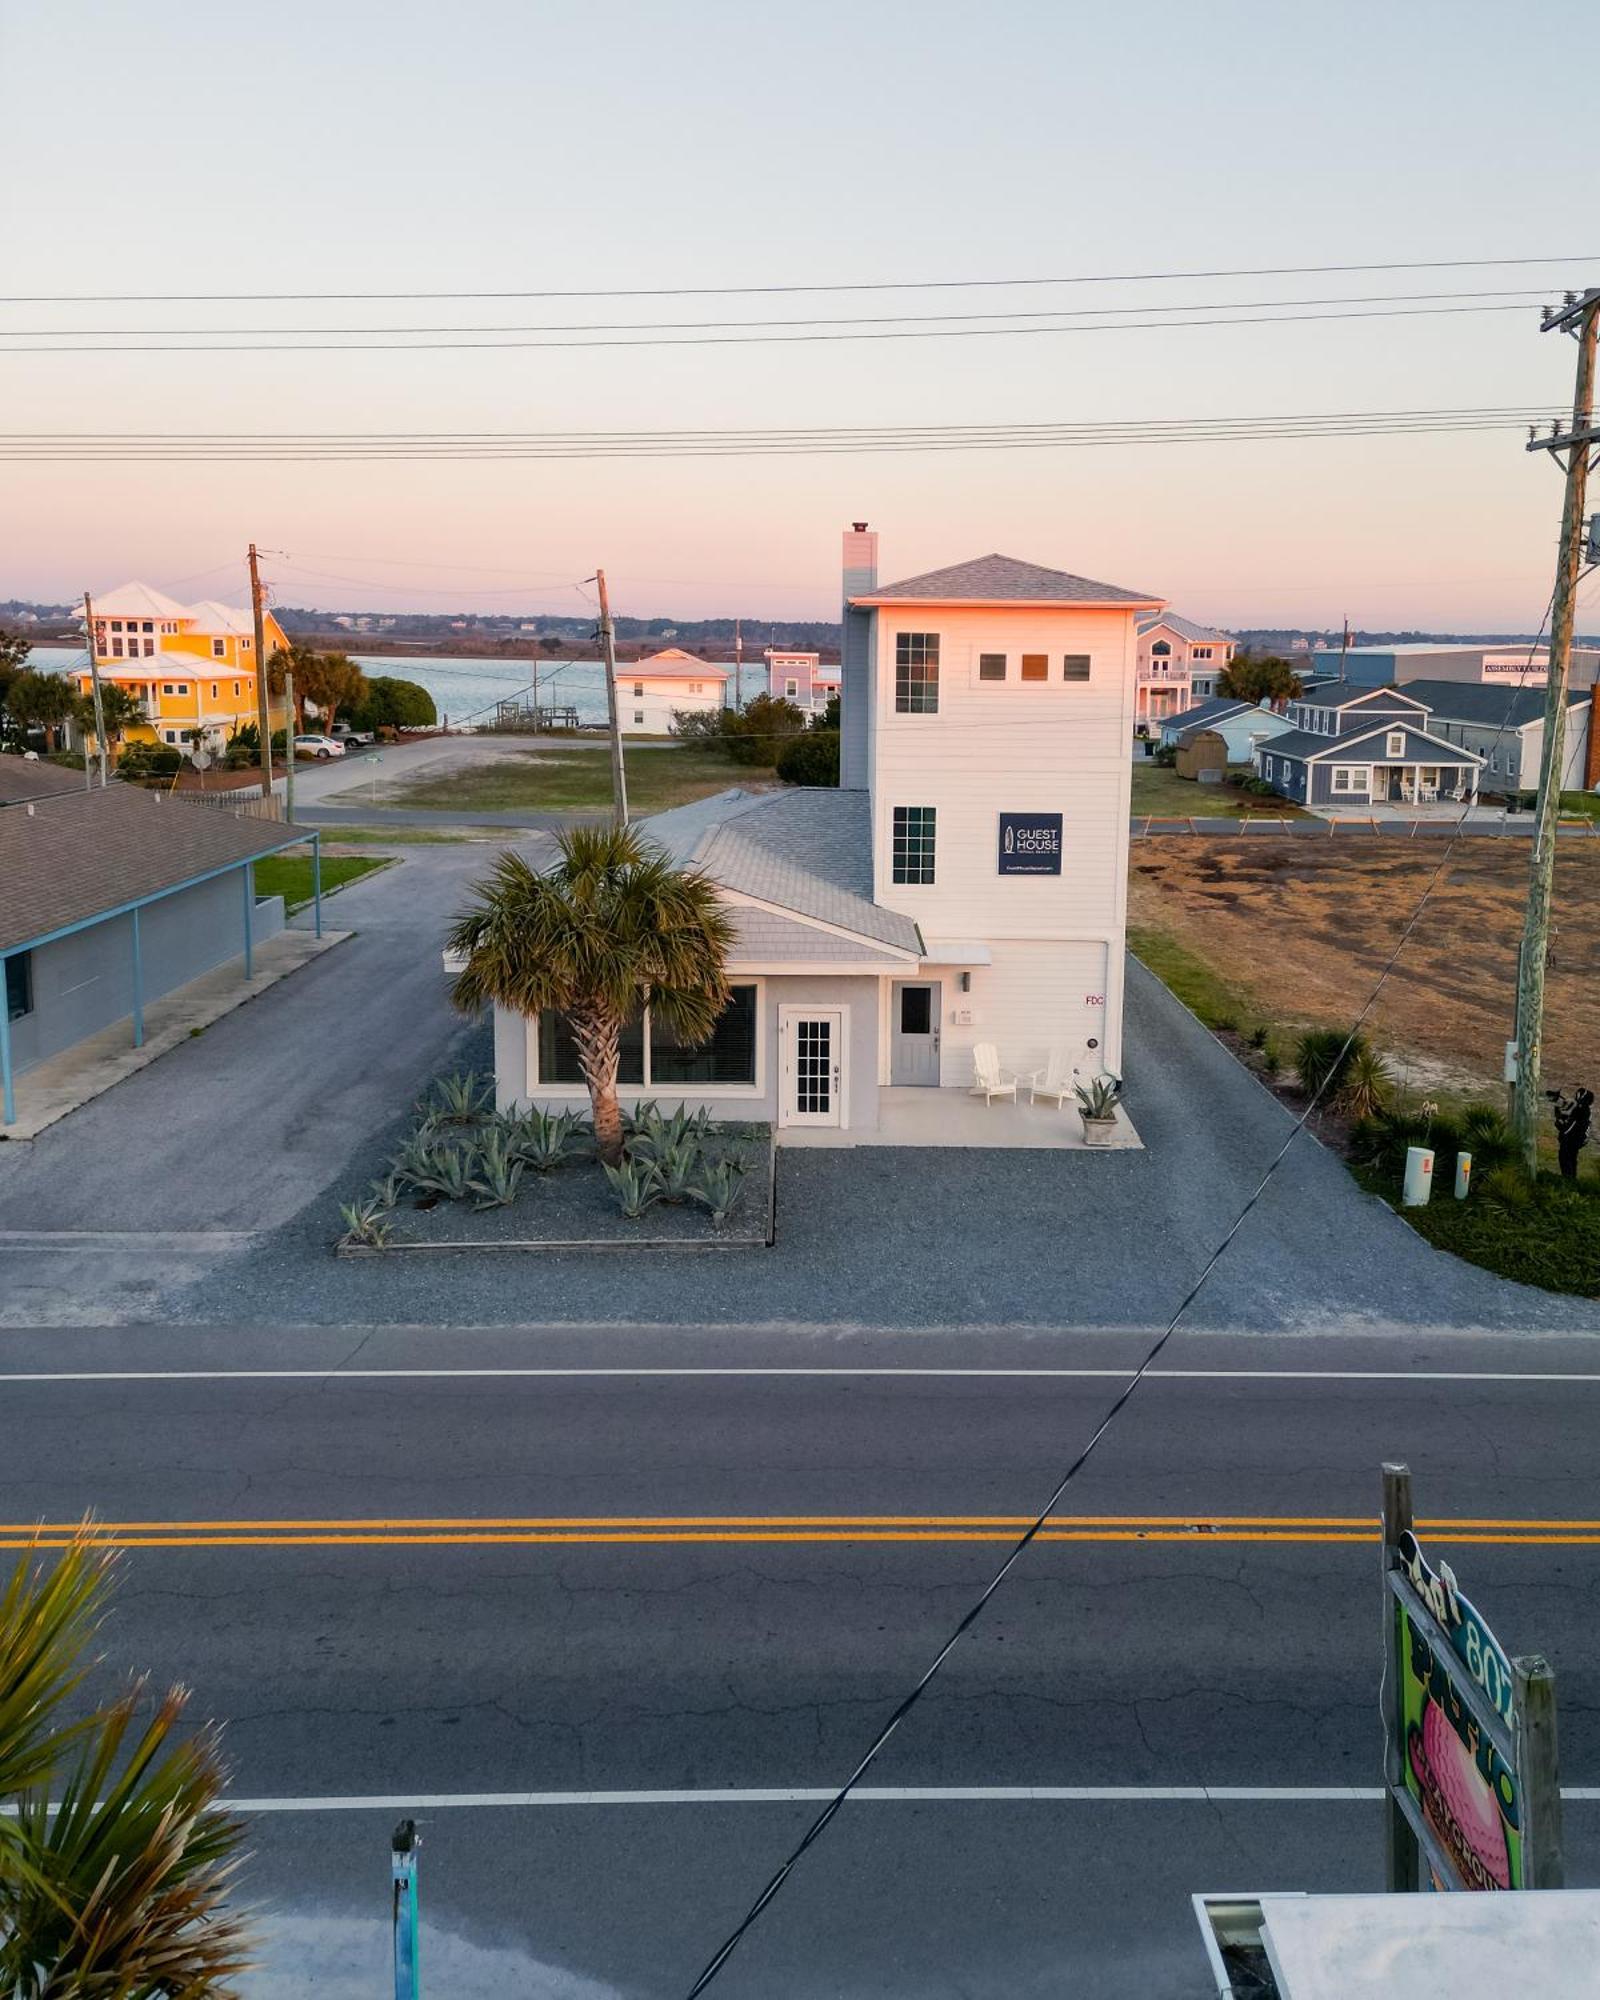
(1505, 727)
(1355, 746)
(110, 899)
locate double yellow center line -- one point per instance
(651, 1529)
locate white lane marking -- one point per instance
(334, 1373)
(119, 1239)
(866, 1794)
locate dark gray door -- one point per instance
(914, 1032)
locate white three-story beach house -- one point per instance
(965, 886)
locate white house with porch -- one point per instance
(958, 903)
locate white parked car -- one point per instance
(318, 746)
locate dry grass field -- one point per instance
(1298, 930)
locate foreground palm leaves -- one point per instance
(114, 1871)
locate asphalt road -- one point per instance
(646, 1564)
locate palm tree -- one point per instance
(614, 927)
(116, 1859)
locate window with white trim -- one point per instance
(1349, 778)
(650, 1057)
(1266, 768)
(1394, 744)
(991, 666)
(219, 649)
(913, 832)
(916, 673)
(638, 716)
(791, 689)
(1075, 666)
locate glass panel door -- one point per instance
(813, 1066)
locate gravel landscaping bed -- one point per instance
(558, 1198)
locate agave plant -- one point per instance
(1321, 1058)
(636, 1184)
(499, 1173)
(387, 1190)
(115, 1867)
(718, 1187)
(445, 1170)
(366, 1225)
(543, 1139)
(678, 1165)
(459, 1100)
(1098, 1099)
(656, 1135)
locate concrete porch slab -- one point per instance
(953, 1118)
(62, 1082)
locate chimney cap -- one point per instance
(859, 527)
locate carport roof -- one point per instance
(82, 856)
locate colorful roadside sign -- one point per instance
(1470, 1768)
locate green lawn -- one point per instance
(1547, 1236)
(1202, 991)
(1162, 792)
(580, 780)
(289, 875)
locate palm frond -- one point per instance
(48, 1616)
(123, 1897)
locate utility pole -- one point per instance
(94, 683)
(1579, 316)
(1344, 646)
(263, 711)
(288, 762)
(608, 646)
(738, 666)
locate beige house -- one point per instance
(1180, 663)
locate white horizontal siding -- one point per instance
(1036, 995)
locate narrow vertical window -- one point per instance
(912, 842)
(916, 673)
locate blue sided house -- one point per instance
(1362, 746)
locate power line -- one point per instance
(734, 339)
(768, 291)
(1521, 294)
(1024, 1541)
(333, 447)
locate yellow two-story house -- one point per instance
(191, 666)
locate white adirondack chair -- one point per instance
(1056, 1082)
(989, 1081)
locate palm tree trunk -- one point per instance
(597, 1037)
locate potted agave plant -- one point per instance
(1097, 1107)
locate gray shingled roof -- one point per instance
(762, 937)
(1485, 703)
(1203, 713)
(1005, 580)
(1420, 747)
(20, 780)
(1340, 694)
(1185, 628)
(82, 854)
(808, 850)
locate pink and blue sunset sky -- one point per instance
(568, 145)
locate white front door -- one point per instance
(811, 1042)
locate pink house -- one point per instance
(1180, 663)
(801, 678)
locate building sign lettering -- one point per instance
(1030, 843)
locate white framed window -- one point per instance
(991, 666)
(1201, 653)
(638, 690)
(1266, 768)
(638, 716)
(245, 644)
(1350, 778)
(116, 649)
(649, 1058)
(1075, 666)
(219, 649)
(1394, 744)
(912, 836)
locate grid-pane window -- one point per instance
(1036, 666)
(916, 673)
(991, 666)
(728, 1057)
(1075, 666)
(913, 843)
(558, 1052)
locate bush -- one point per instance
(811, 759)
(1321, 1059)
(395, 704)
(700, 725)
(150, 760)
(1166, 756)
(1364, 1084)
(758, 732)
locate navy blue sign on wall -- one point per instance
(1030, 843)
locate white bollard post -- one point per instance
(1463, 1175)
(1419, 1177)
